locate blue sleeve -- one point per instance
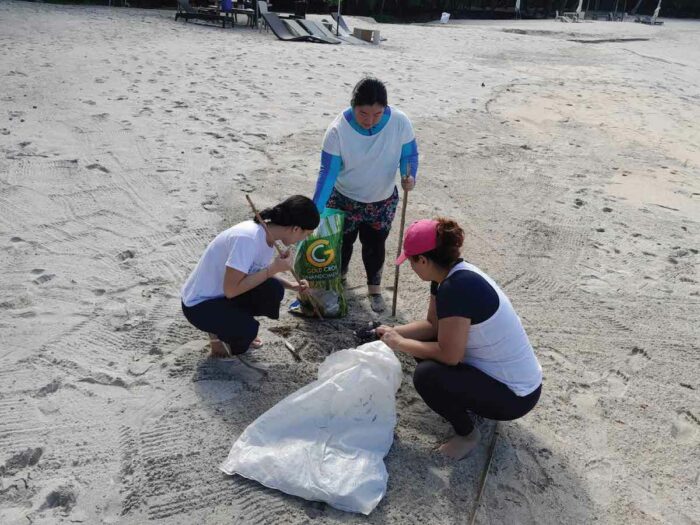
(409, 157)
(327, 175)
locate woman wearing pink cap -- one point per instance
(472, 351)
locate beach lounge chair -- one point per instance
(345, 33)
(264, 8)
(281, 30)
(650, 20)
(315, 30)
(186, 11)
(341, 23)
(296, 28)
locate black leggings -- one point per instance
(452, 390)
(232, 320)
(373, 251)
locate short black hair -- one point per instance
(369, 91)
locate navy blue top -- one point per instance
(465, 294)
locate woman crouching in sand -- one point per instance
(236, 279)
(472, 351)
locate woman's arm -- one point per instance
(331, 166)
(453, 333)
(423, 330)
(237, 282)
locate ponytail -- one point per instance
(296, 210)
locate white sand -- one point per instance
(128, 140)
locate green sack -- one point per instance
(318, 261)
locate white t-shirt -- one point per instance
(242, 247)
(369, 161)
(498, 346)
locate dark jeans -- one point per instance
(233, 320)
(373, 251)
(452, 390)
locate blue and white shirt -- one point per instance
(361, 163)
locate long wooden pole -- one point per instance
(403, 223)
(279, 251)
(485, 474)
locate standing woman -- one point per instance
(472, 351)
(236, 279)
(362, 149)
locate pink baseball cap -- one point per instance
(421, 237)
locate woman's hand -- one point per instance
(408, 183)
(301, 286)
(284, 262)
(382, 329)
(392, 339)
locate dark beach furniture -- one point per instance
(263, 8)
(650, 20)
(344, 31)
(296, 27)
(341, 22)
(318, 32)
(281, 30)
(186, 11)
(300, 9)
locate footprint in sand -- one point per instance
(21, 460)
(639, 358)
(62, 497)
(43, 278)
(125, 255)
(617, 383)
(600, 474)
(685, 427)
(52, 387)
(209, 204)
(640, 352)
(97, 166)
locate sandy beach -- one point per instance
(570, 152)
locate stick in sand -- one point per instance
(279, 251)
(403, 223)
(485, 474)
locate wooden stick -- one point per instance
(396, 269)
(279, 251)
(484, 474)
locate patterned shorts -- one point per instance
(378, 215)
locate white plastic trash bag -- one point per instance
(327, 441)
(444, 18)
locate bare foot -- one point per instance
(459, 446)
(218, 351)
